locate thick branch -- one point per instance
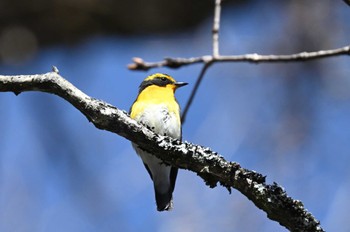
(209, 165)
(139, 64)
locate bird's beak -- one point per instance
(180, 84)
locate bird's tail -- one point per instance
(164, 200)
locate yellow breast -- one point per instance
(154, 96)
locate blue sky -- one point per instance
(287, 121)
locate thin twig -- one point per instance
(194, 91)
(215, 31)
(254, 58)
(216, 28)
(139, 64)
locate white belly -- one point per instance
(161, 121)
(165, 123)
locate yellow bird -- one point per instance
(157, 108)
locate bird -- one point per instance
(157, 108)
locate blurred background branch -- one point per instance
(70, 21)
(347, 2)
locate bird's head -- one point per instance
(161, 80)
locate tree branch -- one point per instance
(139, 64)
(209, 165)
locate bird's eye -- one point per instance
(163, 78)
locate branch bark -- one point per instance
(208, 164)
